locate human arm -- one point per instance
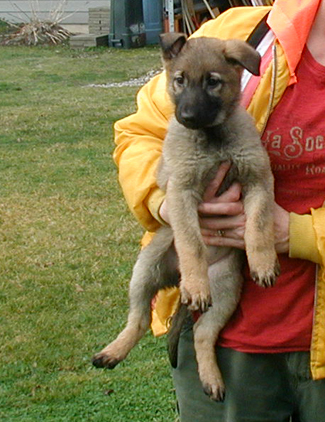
(294, 234)
(301, 236)
(139, 139)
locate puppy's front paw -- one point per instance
(266, 275)
(196, 299)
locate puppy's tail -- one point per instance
(174, 333)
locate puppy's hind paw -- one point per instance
(216, 392)
(103, 360)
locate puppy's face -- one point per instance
(204, 75)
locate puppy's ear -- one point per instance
(241, 53)
(171, 44)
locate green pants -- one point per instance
(259, 387)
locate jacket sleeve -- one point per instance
(307, 236)
(139, 139)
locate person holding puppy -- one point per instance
(272, 351)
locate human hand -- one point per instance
(223, 214)
(223, 219)
(163, 212)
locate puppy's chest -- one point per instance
(193, 157)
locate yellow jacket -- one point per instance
(139, 139)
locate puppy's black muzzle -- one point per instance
(195, 109)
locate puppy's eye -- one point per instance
(214, 82)
(179, 80)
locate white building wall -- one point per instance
(75, 11)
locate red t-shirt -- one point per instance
(279, 319)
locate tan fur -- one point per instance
(191, 157)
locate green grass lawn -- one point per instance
(68, 242)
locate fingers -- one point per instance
(222, 218)
(232, 194)
(163, 212)
(223, 208)
(224, 223)
(226, 203)
(224, 241)
(215, 183)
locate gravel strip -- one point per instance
(132, 82)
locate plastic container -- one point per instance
(153, 20)
(127, 29)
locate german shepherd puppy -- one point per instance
(209, 127)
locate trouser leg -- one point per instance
(257, 387)
(193, 404)
(309, 394)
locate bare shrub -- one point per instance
(36, 29)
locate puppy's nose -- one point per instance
(188, 116)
